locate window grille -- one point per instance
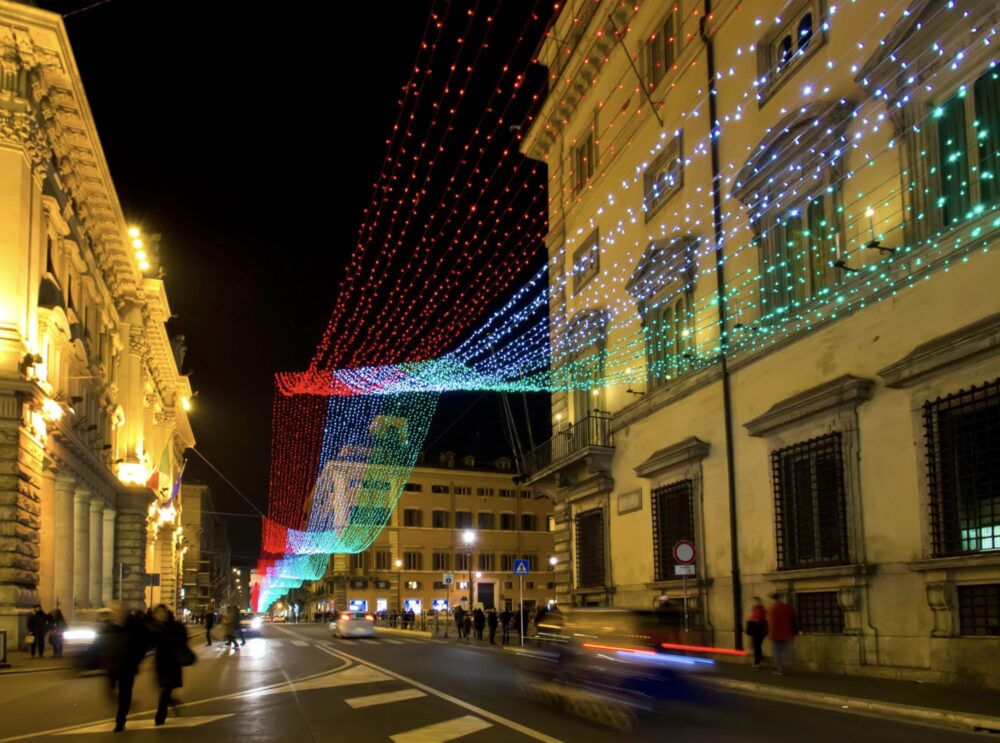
(979, 609)
(820, 613)
(590, 548)
(673, 520)
(810, 503)
(963, 470)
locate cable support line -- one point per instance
(228, 481)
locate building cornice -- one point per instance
(689, 451)
(841, 393)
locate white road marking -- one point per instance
(392, 696)
(393, 642)
(523, 729)
(274, 643)
(443, 731)
(350, 677)
(174, 722)
(300, 643)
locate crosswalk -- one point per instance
(276, 644)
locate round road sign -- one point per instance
(684, 552)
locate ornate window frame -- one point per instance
(777, 62)
(664, 178)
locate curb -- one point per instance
(926, 715)
(38, 669)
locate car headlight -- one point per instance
(86, 635)
(255, 623)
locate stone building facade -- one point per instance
(92, 406)
(770, 244)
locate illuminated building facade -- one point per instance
(93, 420)
(788, 210)
(425, 541)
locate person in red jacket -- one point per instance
(781, 630)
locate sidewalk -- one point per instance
(22, 662)
(938, 704)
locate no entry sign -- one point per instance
(684, 552)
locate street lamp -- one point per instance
(399, 602)
(553, 561)
(469, 537)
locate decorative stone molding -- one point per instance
(849, 598)
(846, 392)
(684, 453)
(974, 342)
(941, 600)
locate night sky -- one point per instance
(249, 135)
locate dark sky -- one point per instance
(249, 135)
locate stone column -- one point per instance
(96, 550)
(108, 543)
(130, 546)
(47, 543)
(65, 488)
(81, 548)
(166, 547)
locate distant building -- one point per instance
(93, 406)
(441, 502)
(773, 286)
(207, 558)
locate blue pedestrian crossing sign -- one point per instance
(520, 567)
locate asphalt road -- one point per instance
(297, 683)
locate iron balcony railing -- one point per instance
(594, 430)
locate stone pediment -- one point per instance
(665, 266)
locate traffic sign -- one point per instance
(521, 567)
(683, 569)
(684, 552)
(449, 578)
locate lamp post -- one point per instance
(469, 537)
(399, 578)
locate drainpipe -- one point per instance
(723, 333)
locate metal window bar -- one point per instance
(590, 548)
(979, 609)
(673, 520)
(820, 613)
(963, 470)
(810, 503)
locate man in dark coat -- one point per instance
(172, 651)
(126, 642)
(505, 619)
(492, 621)
(479, 619)
(209, 623)
(57, 626)
(459, 616)
(38, 625)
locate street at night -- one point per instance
(297, 683)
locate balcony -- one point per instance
(584, 441)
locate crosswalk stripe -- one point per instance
(443, 731)
(393, 642)
(300, 643)
(275, 643)
(393, 696)
(148, 724)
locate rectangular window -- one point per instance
(528, 522)
(442, 561)
(507, 492)
(383, 560)
(463, 519)
(799, 250)
(589, 533)
(508, 521)
(532, 562)
(486, 561)
(413, 560)
(485, 492)
(810, 503)
(526, 494)
(663, 178)
(673, 520)
(784, 48)
(413, 517)
(462, 561)
(440, 489)
(413, 487)
(586, 261)
(963, 470)
(584, 157)
(358, 561)
(507, 562)
(485, 520)
(659, 52)
(979, 610)
(669, 330)
(460, 490)
(820, 613)
(441, 520)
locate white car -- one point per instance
(353, 624)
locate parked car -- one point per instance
(353, 624)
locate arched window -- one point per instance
(805, 31)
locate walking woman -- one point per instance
(172, 653)
(757, 629)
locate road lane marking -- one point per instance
(392, 696)
(175, 722)
(300, 643)
(274, 643)
(523, 729)
(443, 731)
(349, 677)
(393, 642)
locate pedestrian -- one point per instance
(781, 629)
(479, 619)
(38, 625)
(127, 641)
(492, 621)
(209, 623)
(459, 616)
(239, 625)
(57, 626)
(232, 620)
(505, 619)
(467, 624)
(757, 630)
(172, 654)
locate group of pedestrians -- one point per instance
(778, 624)
(478, 620)
(232, 621)
(51, 625)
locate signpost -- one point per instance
(684, 556)
(521, 570)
